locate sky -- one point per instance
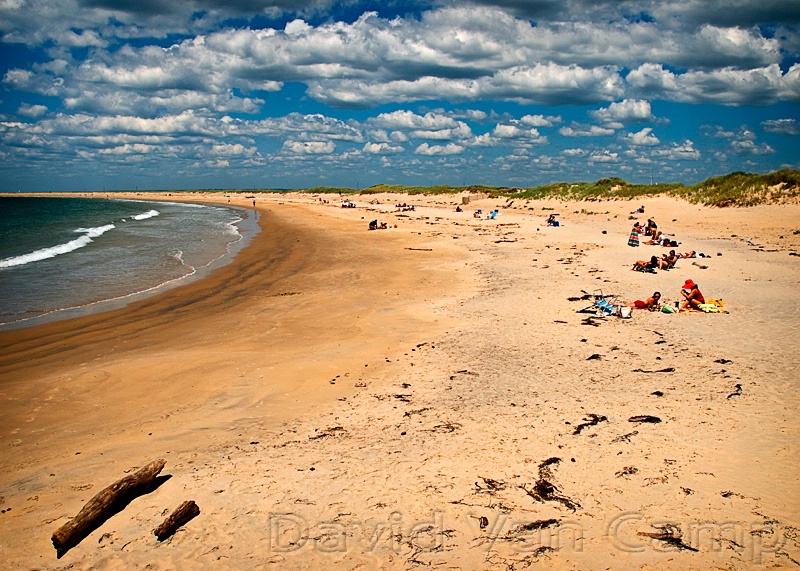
(282, 94)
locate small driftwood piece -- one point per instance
(185, 512)
(105, 504)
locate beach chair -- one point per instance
(605, 305)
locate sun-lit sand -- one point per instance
(426, 396)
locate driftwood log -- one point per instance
(105, 504)
(184, 513)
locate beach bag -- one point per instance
(667, 309)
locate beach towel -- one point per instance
(713, 306)
(633, 240)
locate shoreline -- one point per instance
(422, 377)
(248, 226)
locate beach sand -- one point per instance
(425, 396)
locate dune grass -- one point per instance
(734, 189)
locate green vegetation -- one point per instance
(734, 189)
(746, 189)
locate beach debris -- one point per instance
(668, 533)
(591, 320)
(645, 418)
(544, 490)
(737, 392)
(591, 420)
(723, 361)
(106, 503)
(183, 514)
(667, 370)
(491, 486)
(627, 471)
(417, 411)
(421, 249)
(332, 431)
(483, 521)
(446, 428)
(594, 357)
(657, 393)
(701, 266)
(625, 437)
(534, 526)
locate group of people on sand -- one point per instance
(374, 225)
(665, 262)
(692, 299)
(657, 237)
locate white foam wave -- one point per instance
(146, 215)
(53, 251)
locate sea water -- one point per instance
(67, 256)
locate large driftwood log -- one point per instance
(184, 513)
(102, 506)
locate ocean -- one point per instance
(61, 257)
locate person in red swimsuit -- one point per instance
(692, 296)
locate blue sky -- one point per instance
(158, 94)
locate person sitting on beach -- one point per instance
(373, 225)
(670, 260)
(692, 296)
(651, 227)
(651, 303)
(655, 240)
(551, 220)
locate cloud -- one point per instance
(452, 52)
(518, 131)
(309, 147)
(678, 152)
(448, 149)
(728, 86)
(625, 111)
(540, 120)
(782, 126)
(748, 147)
(32, 110)
(604, 157)
(578, 130)
(382, 148)
(644, 137)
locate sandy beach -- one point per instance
(426, 395)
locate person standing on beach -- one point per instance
(692, 295)
(633, 239)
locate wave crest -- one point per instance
(53, 251)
